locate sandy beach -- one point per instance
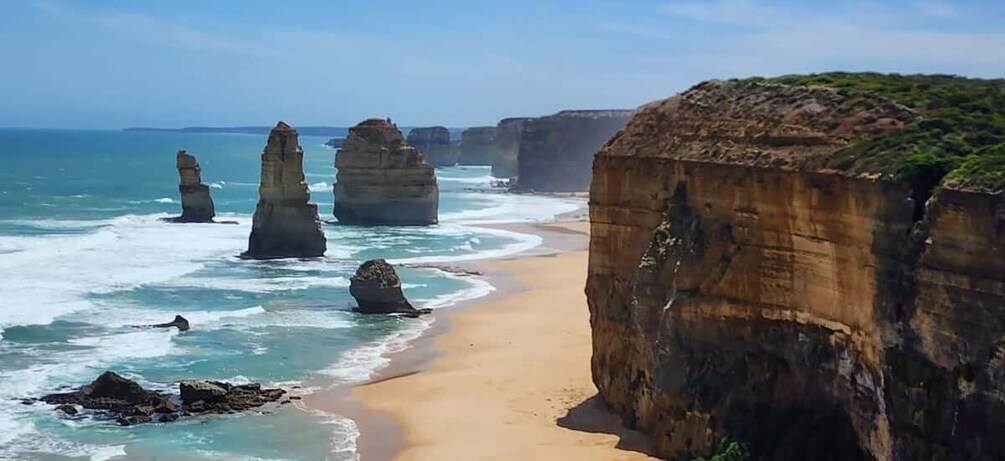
(508, 378)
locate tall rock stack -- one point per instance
(507, 147)
(556, 152)
(286, 224)
(196, 204)
(382, 180)
(434, 145)
(477, 146)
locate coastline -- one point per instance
(444, 398)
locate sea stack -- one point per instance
(196, 204)
(477, 146)
(507, 147)
(434, 145)
(377, 289)
(286, 224)
(382, 180)
(556, 152)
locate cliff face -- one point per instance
(382, 180)
(196, 204)
(556, 151)
(477, 146)
(738, 291)
(285, 224)
(434, 145)
(507, 147)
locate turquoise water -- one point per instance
(84, 254)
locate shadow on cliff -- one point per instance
(593, 416)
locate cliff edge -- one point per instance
(810, 267)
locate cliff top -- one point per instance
(595, 113)
(928, 129)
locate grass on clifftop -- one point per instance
(958, 141)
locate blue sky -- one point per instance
(118, 63)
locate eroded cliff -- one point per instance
(759, 274)
(507, 147)
(434, 145)
(556, 151)
(477, 146)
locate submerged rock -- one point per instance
(286, 224)
(382, 180)
(434, 145)
(377, 290)
(478, 146)
(128, 403)
(179, 322)
(196, 203)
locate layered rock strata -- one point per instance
(434, 145)
(556, 152)
(377, 290)
(507, 147)
(738, 292)
(382, 180)
(196, 203)
(477, 146)
(285, 224)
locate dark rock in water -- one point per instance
(286, 224)
(382, 180)
(180, 322)
(196, 203)
(377, 290)
(130, 404)
(434, 144)
(334, 143)
(67, 408)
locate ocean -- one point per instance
(84, 254)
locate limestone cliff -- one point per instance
(556, 151)
(285, 224)
(507, 147)
(477, 146)
(434, 145)
(751, 280)
(382, 180)
(196, 203)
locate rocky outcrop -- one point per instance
(377, 290)
(556, 152)
(737, 290)
(382, 180)
(285, 224)
(477, 146)
(507, 147)
(335, 143)
(196, 204)
(434, 145)
(179, 322)
(127, 401)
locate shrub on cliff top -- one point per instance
(960, 134)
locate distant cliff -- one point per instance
(812, 267)
(434, 145)
(556, 152)
(507, 146)
(477, 146)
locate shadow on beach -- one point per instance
(593, 416)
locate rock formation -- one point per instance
(556, 152)
(382, 180)
(477, 146)
(434, 145)
(377, 289)
(507, 147)
(286, 224)
(129, 403)
(196, 204)
(757, 275)
(179, 322)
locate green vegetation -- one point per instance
(960, 136)
(728, 450)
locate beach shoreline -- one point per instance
(384, 407)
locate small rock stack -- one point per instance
(196, 204)
(382, 180)
(434, 145)
(286, 224)
(377, 290)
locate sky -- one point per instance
(111, 64)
